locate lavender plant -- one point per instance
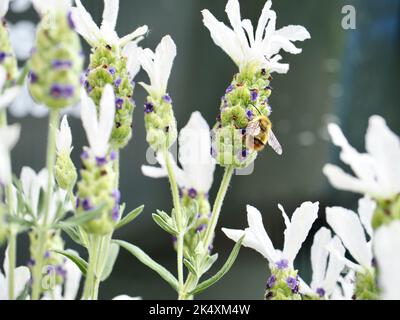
(357, 259)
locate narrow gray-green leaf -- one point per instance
(80, 263)
(145, 259)
(225, 268)
(190, 266)
(72, 232)
(112, 257)
(84, 217)
(164, 224)
(129, 217)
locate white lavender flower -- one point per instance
(9, 136)
(194, 155)
(284, 282)
(98, 126)
(159, 116)
(261, 48)
(351, 228)
(158, 66)
(126, 297)
(21, 278)
(94, 35)
(65, 171)
(377, 172)
(387, 251)
(326, 267)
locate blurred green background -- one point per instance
(342, 76)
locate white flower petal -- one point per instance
(223, 37)
(335, 266)
(110, 14)
(319, 257)
(256, 225)
(22, 276)
(64, 137)
(154, 172)
(366, 209)
(8, 96)
(194, 153)
(131, 51)
(294, 33)
(266, 14)
(344, 181)
(72, 280)
(347, 226)
(89, 119)
(84, 24)
(387, 249)
(384, 146)
(300, 225)
(136, 35)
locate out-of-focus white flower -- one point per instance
(194, 155)
(377, 171)
(98, 128)
(64, 137)
(126, 297)
(350, 226)
(296, 232)
(387, 251)
(44, 6)
(70, 287)
(21, 278)
(22, 37)
(7, 96)
(245, 47)
(158, 66)
(19, 6)
(88, 29)
(4, 4)
(32, 184)
(325, 274)
(9, 136)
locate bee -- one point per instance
(259, 132)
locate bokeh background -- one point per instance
(342, 76)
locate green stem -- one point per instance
(178, 215)
(12, 252)
(12, 239)
(42, 230)
(94, 244)
(192, 280)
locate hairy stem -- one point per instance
(192, 280)
(42, 230)
(178, 215)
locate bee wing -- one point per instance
(274, 143)
(253, 128)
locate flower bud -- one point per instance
(160, 122)
(53, 261)
(65, 172)
(97, 189)
(108, 66)
(283, 284)
(7, 56)
(201, 220)
(245, 99)
(366, 287)
(56, 62)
